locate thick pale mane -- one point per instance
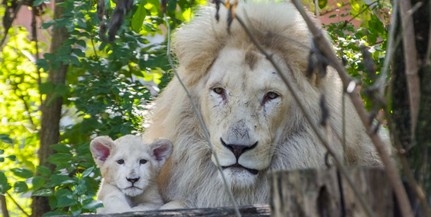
(198, 43)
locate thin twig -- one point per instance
(6, 30)
(381, 82)
(199, 117)
(410, 59)
(27, 109)
(94, 47)
(17, 204)
(316, 8)
(292, 89)
(367, 6)
(354, 93)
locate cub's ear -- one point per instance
(100, 148)
(160, 150)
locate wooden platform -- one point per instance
(252, 211)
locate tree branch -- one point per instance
(17, 205)
(410, 59)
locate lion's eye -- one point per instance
(218, 90)
(270, 96)
(121, 161)
(143, 161)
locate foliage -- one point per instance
(19, 106)
(370, 34)
(108, 87)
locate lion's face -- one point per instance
(243, 106)
(128, 163)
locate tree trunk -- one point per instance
(3, 206)
(51, 111)
(417, 150)
(323, 192)
(420, 156)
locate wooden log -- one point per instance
(252, 211)
(319, 193)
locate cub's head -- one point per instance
(128, 163)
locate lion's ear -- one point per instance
(161, 150)
(100, 148)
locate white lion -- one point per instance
(129, 169)
(254, 125)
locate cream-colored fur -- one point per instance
(129, 169)
(254, 124)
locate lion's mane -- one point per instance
(190, 175)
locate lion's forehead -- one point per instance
(245, 72)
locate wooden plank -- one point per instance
(316, 193)
(252, 211)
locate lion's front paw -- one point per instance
(175, 204)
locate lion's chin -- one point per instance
(132, 191)
(239, 177)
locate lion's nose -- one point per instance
(133, 180)
(238, 149)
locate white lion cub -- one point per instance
(129, 169)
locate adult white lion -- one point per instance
(254, 124)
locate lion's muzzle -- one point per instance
(238, 149)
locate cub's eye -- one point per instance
(121, 161)
(270, 96)
(218, 90)
(143, 161)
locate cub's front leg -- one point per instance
(114, 201)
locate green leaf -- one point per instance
(65, 198)
(322, 3)
(60, 158)
(37, 182)
(42, 193)
(87, 172)
(46, 87)
(11, 157)
(58, 180)
(61, 148)
(93, 205)
(6, 139)
(172, 4)
(20, 187)
(43, 171)
(54, 213)
(139, 17)
(39, 2)
(4, 185)
(22, 172)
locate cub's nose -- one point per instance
(238, 149)
(132, 180)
